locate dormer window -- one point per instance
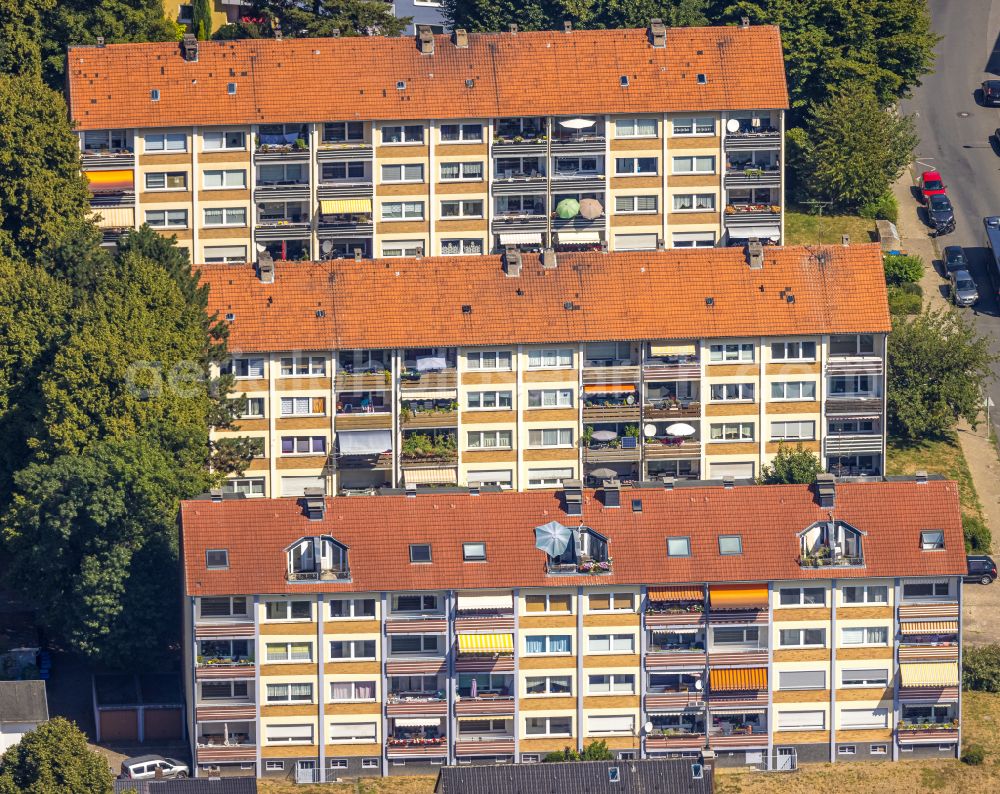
(830, 543)
(579, 550)
(319, 558)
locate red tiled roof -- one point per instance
(379, 529)
(618, 296)
(530, 73)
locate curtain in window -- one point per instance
(559, 644)
(364, 690)
(535, 645)
(341, 690)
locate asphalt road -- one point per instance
(956, 138)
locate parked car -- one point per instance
(991, 93)
(954, 259)
(940, 213)
(982, 569)
(931, 184)
(963, 288)
(145, 767)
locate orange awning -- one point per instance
(691, 593)
(737, 596)
(110, 181)
(740, 679)
(607, 388)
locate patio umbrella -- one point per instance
(649, 431)
(577, 124)
(474, 689)
(568, 208)
(609, 435)
(604, 474)
(552, 538)
(680, 429)
(591, 208)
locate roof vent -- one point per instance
(470, 83)
(265, 268)
(411, 490)
(702, 78)
(100, 41)
(461, 38)
(321, 313)
(513, 28)
(826, 490)
(512, 261)
(573, 495)
(612, 493)
(231, 89)
(189, 48)
(637, 505)
(474, 490)
(657, 33)
(660, 245)
(277, 31)
(216, 494)
(549, 259)
(623, 81)
(230, 316)
(401, 85)
(466, 308)
(567, 26)
(314, 503)
(744, 22)
(728, 481)
(668, 483)
(755, 254)
(154, 94)
(425, 39)
(709, 301)
(920, 477)
(845, 239)
(335, 33)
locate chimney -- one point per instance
(277, 31)
(744, 22)
(513, 29)
(612, 493)
(357, 254)
(845, 239)
(920, 477)
(425, 39)
(567, 26)
(728, 481)
(826, 490)
(189, 48)
(573, 494)
(100, 41)
(216, 494)
(549, 259)
(461, 38)
(755, 254)
(314, 503)
(411, 490)
(658, 33)
(265, 268)
(512, 261)
(668, 483)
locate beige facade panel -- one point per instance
(611, 702)
(794, 407)
(854, 654)
(295, 668)
(877, 735)
(546, 703)
(336, 709)
(864, 613)
(801, 696)
(303, 423)
(394, 228)
(461, 150)
(178, 197)
(550, 415)
(801, 614)
(392, 189)
(297, 710)
(298, 751)
(678, 219)
(534, 455)
(546, 622)
(248, 385)
(444, 227)
(544, 745)
(223, 195)
(259, 464)
(487, 378)
(331, 628)
(623, 619)
(245, 425)
(213, 158)
(303, 462)
(732, 448)
(771, 447)
(710, 143)
(298, 629)
(804, 655)
(549, 376)
(726, 370)
(300, 384)
(611, 660)
(353, 750)
(654, 221)
(547, 663)
(732, 409)
(801, 737)
(399, 152)
(180, 234)
(448, 188)
(652, 145)
(238, 234)
(693, 180)
(633, 182)
(794, 369)
(156, 160)
(471, 456)
(488, 417)
(873, 695)
(345, 668)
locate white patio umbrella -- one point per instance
(552, 538)
(577, 124)
(608, 435)
(681, 429)
(649, 431)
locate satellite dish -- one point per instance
(733, 125)
(649, 431)
(261, 248)
(699, 684)
(648, 727)
(326, 246)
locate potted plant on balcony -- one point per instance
(588, 435)
(632, 431)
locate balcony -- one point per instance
(680, 366)
(830, 545)
(730, 734)
(107, 158)
(342, 226)
(753, 175)
(579, 223)
(418, 414)
(344, 189)
(401, 704)
(285, 190)
(487, 744)
(748, 138)
(485, 705)
(585, 141)
(578, 180)
(660, 740)
(519, 222)
(598, 407)
(341, 150)
(296, 227)
(848, 443)
(324, 574)
(531, 182)
(225, 710)
(671, 409)
(416, 747)
(375, 376)
(422, 449)
(927, 732)
(853, 405)
(281, 143)
(740, 215)
(674, 699)
(514, 137)
(243, 751)
(610, 452)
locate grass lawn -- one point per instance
(804, 228)
(942, 456)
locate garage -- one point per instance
(119, 725)
(163, 725)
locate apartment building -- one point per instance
(521, 371)
(437, 145)
(771, 625)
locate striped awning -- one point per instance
(520, 238)
(485, 601)
(677, 630)
(676, 349)
(430, 476)
(744, 678)
(608, 388)
(345, 206)
(486, 643)
(115, 217)
(110, 181)
(675, 594)
(930, 627)
(417, 722)
(737, 596)
(577, 238)
(929, 674)
(736, 710)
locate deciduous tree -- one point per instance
(318, 18)
(792, 465)
(54, 759)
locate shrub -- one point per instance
(900, 268)
(904, 301)
(981, 668)
(597, 751)
(978, 539)
(883, 208)
(974, 755)
(557, 756)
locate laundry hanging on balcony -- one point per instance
(364, 442)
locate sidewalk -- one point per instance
(981, 604)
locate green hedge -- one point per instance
(902, 268)
(981, 668)
(906, 299)
(978, 539)
(884, 208)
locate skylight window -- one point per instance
(420, 552)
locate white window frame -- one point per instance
(547, 723)
(794, 351)
(407, 210)
(862, 636)
(594, 720)
(541, 438)
(548, 642)
(286, 688)
(549, 478)
(698, 164)
(405, 133)
(865, 594)
(226, 254)
(353, 645)
(879, 718)
(250, 364)
(629, 127)
(223, 147)
(168, 142)
(329, 131)
(696, 126)
(549, 398)
(352, 610)
(800, 598)
(724, 353)
(800, 722)
(238, 219)
(744, 392)
(478, 360)
(248, 486)
(633, 202)
(462, 246)
(548, 604)
(871, 678)
(705, 239)
(405, 169)
(462, 138)
(800, 687)
(793, 430)
(171, 219)
(537, 358)
(613, 598)
(630, 166)
(699, 202)
(477, 166)
(800, 634)
(359, 732)
(225, 174)
(528, 679)
(400, 248)
(783, 387)
(287, 604)
(302, 366)
(301, 406)
(288, 657)
(467, 208)
(166, 188)
(743, 434)
(490, 400)
(489, 439)
(613, 641)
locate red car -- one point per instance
(931, 184)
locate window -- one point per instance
(289, 610)
(802, 596)
(248, 486)
(235, 179)
(852, 385)
(702, 125)
(353, 170)
(801, 720)
(925, 590)
(420, 552)
(637, 242)
(731, 431)
(455, 172)
(225, 216)
(636, 165)
(488, 359)
(403, 248)
(289, 693)
(303, 366)
(846, 749)
(223, 139)
(611, 725)
(548, 643)
(216, 559)
(802, 679)
(223, 690)
(548, 478)
(678, 547)
(105, 141)
(289, 651)
(223, 607)
(303, 445)
(545, 602)
(550, 398)
(228, 254)
(288, 734)
(612, 602)
(793, 390)
(730, 544)
(303, 406)
(465, 133)
(551, 437)
(548, 726)
(473, 551)
(693, 239)
(402, 210)
(802, 637)
(932, 539)
(245, 368)
(490, 439)
(551, 358)
(352, 608)
(461, 209)
(500, 478)
(410, 133)
(161, 180)
(611, 643)
(694, 165)
(337, 763)
(802, 431)
(864, 718)
(863, 426)
(852, 345)
(166, 142)
(736, 635)
(878, 749)
(636, 128)
(619, 684)
(732, 392)
(416, 602)
(408, 644)
(793, 351)
(694, 202)
(572, 166)
(866, 594)
(470, 246)
(409, 172)
(742, 351)
(348, 732)
(164, 219)
(343, 131)
(352, 649)
(625, 205)
(548, 685)
(864, 635)
(273, 766)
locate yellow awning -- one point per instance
(737, 680)
(430, 476)
(675, 594)
(736, 596)
(677, 349)
(929, 674)
(115, 217)
(486, 643)
(930, 627)
(608, 388)
(345, 206)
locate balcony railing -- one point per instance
(671, 409)
(610, 412)
(224, 661)
(118, 158)
(762, 175)
(668, 448)
(604, 453)
(323, 575)
(585, 566)
(825, 558)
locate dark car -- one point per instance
(940, 213)
(982, 569)
(954, 258)
(991, 93)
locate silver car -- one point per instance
(963, 289)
